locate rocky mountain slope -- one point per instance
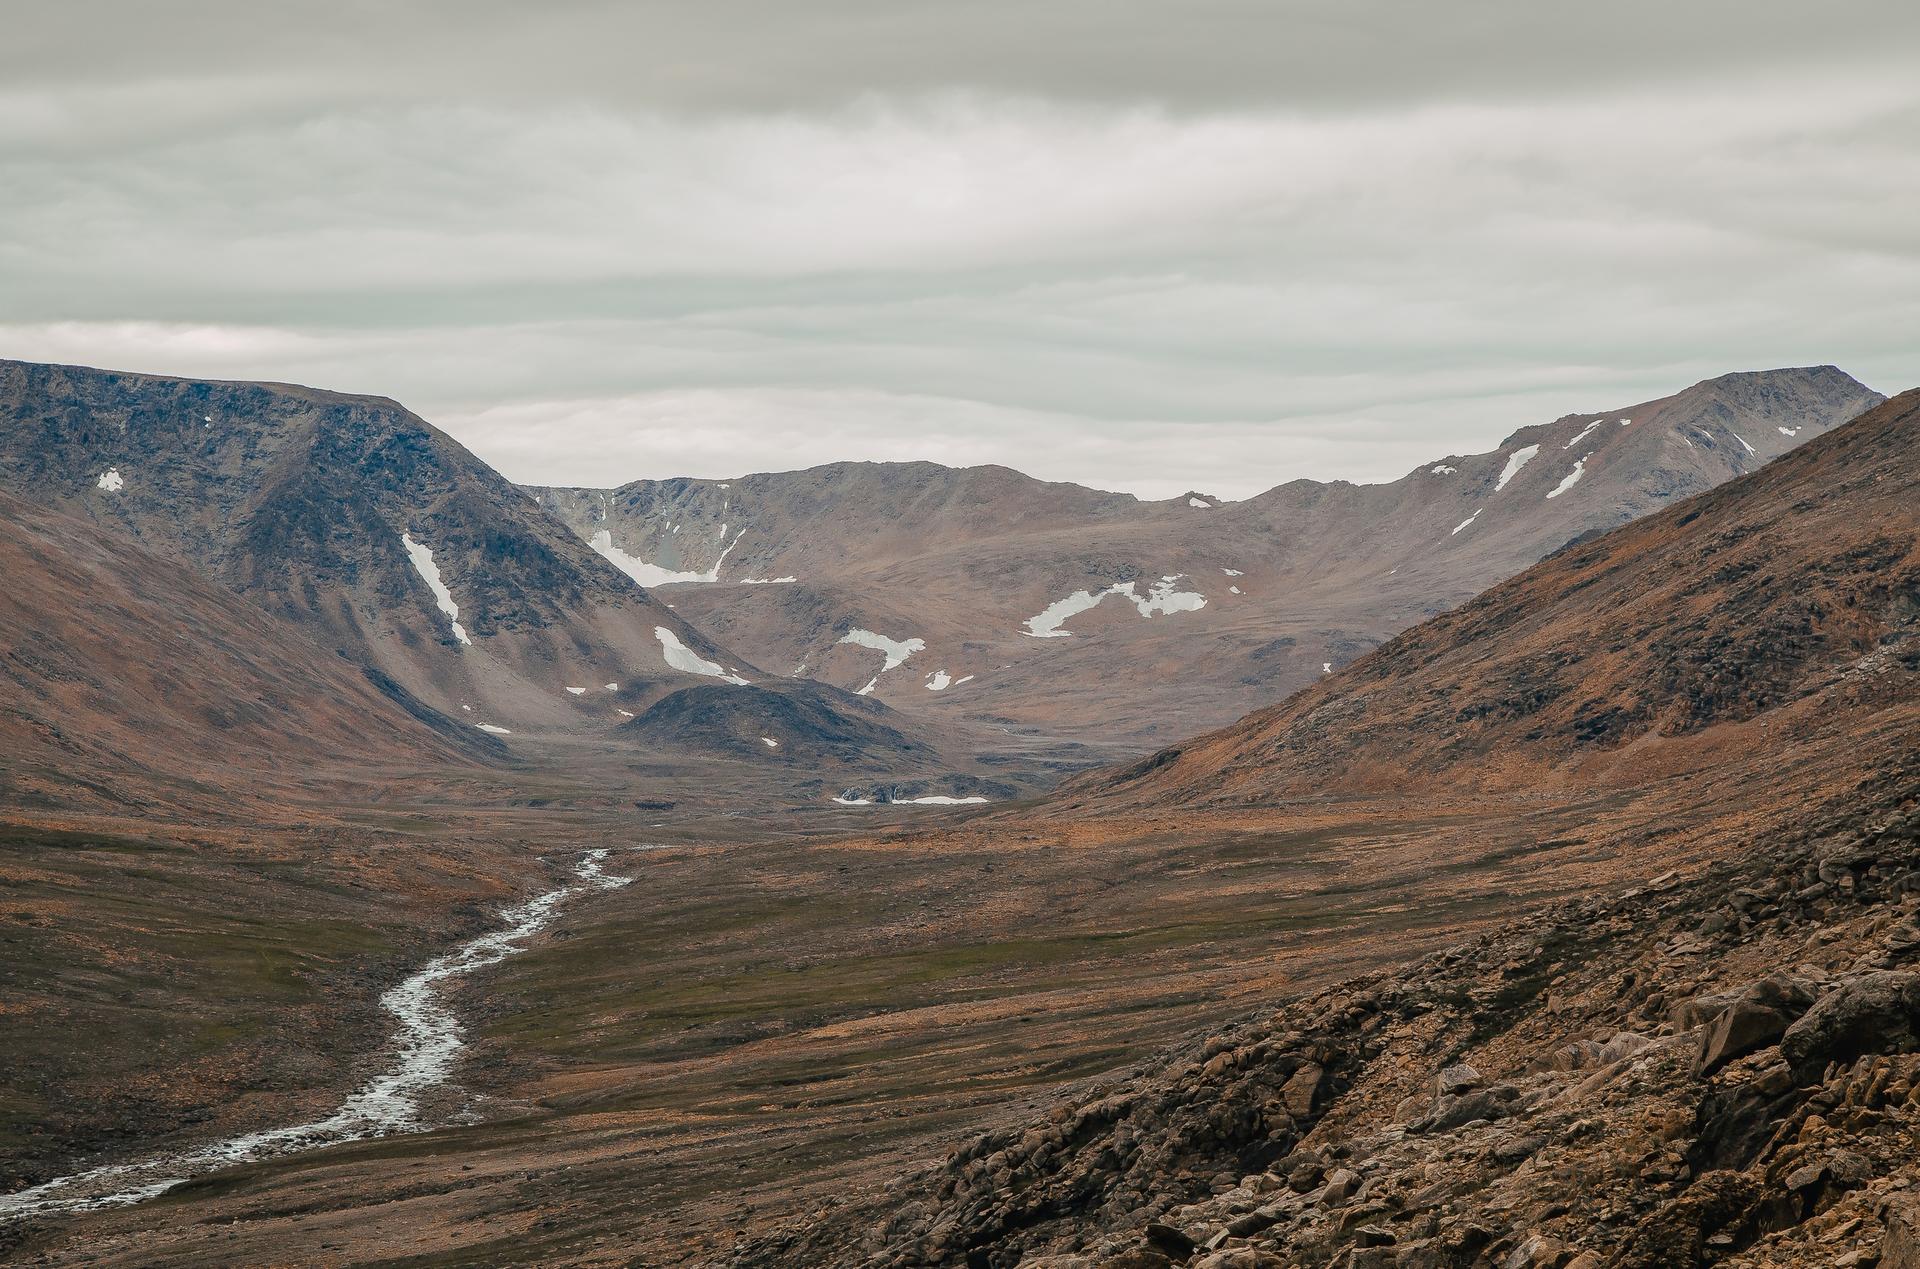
(133, 684)
(382, 538)
(984, 594)
(1717, 1066)
(1760, 593)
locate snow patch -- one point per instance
(1233, 572)
(110, 481)
(1161, 597)
(686, 660)
(847, 801)
(1469, 520)
(652, 574)
(1743, 441)
(1789, 431)
(938, 681)
(1326, 667)
(767, 581)
(769, 742)
(611, 687)
(429, 572)
(1626, 422)
(941, 800)
(896, 650)
(1515, 461)
(578, 691)
(491, 729)
(1233, 590)
(1585, 432)
(1572, 477)
(1199, 502)
(868, 689)
(1441, 469)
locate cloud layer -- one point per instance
(702, 258)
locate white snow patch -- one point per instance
(623, 713)
(769, 742)
(685, 659)
(497, 731)
(1233, 572)
(468, 708)
(1233, 590)
(896, 650)
(847, 801)
(652, 574)
(578, 691)
(942, 800)
(1515, 461)
(868, 689)
(767, 581)
(1161, 597)
(1441, 469)
(1326, 667)
(1199, 502)
(938, 681)
(110, 480)
(430, 574)
(1469, 520)
(1585, 432)
(1626, 422)
(1572, 478)
(1743, 441)
(1789, 431)
(611, 687)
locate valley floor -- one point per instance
(758, 1027)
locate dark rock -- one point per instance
(1876, 1013)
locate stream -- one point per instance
(426, 1043)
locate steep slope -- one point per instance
(1774, 586)
(1097, 615)
(357, 520)
(1701, 1045)
(132, 683)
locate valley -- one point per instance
(822, 974)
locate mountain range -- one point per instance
(985, 595)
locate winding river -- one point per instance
(427, 1041)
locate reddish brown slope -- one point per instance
(1802, 576)
(130, 682)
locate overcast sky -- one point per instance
(1216, 244)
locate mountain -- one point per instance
(133, 684)
(1692, 1039)
(983, 594)
(1774, 587)
(373, 532)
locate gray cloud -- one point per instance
(1215, 245)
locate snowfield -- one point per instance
(430, 574)
(1515, 461)
(895, 650)
(652, 574)
(686, 660)
(1161, 597)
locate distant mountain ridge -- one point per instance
(382, 538)
(1273, 591)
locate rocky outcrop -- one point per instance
(1718, 1070)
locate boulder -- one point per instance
(1742, 1028)
(1900, 1249)
(1456, 1079)
(1303, 1094)
(1875, 1013)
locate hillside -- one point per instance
(986, 595)
(379, 537)
(1797, 579)
(135, 685)
(1705, 1024)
